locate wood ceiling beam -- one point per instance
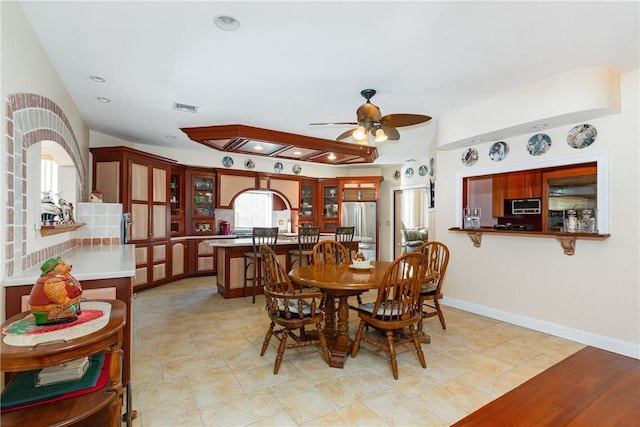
(234, 132)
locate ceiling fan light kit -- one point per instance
(370, 120)
(360, 133)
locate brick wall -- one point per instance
(29, 119)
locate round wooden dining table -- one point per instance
(340, 281)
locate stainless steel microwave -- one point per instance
(526, 207)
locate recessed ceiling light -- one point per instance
(185, 107)
(540, 126)
(331, 156)
(103, 99)
(258, 147)
(297, 153)
(226, 23)
(97, 79)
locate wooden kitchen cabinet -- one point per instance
(179, 259)
(329, 205)
(203, 260)
(177, 201)
(360, 189)
(515, 185)
(141, 182)
(307, 213)
(200, 201)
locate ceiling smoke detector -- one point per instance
(226, 23)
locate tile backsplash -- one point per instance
(102, 223)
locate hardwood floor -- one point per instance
(592, 387)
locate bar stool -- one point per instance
(261, 236)
(307, 239)
(344, 235)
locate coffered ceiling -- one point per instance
(265, 142)
(292, 63)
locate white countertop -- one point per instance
(89, 263)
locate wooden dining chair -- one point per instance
(437, 254)
(261, 236)
(290, 309)
(330, 252)
(396, 307)
(307, 239)
(344, 235)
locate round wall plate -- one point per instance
(278, 167)
(498, 151)
(296, 169)
(538, 144)
(408, 173)
(227, 161)
(469, 157)
(249, 164)
(582, 136)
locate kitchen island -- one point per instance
(104, 272)
(230, 260)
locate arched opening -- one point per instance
(31, 119)
(260, 208)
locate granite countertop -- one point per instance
(89, 263)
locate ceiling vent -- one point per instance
(185, 107)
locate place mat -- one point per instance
(23, 391)
(17, 334)
(27, 325)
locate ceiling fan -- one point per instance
(370, 120)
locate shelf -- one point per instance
(567, 240)
(49, 230)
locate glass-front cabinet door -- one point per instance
(307, 200)
(330, 202)
(201, 202)
(176, 201)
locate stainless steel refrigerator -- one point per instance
(362, 216)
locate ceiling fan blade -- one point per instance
(392, 133)
(334, 124)
(345, 134)
(399, 120)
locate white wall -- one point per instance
(592, 296)
(27, 69)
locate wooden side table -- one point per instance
(100, 407)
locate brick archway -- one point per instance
(31, 118)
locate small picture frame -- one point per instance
(96, 197)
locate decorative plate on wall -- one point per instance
(432, 166)
(539, 144)
(396, 175)
(278, 167)
(422, 170)
(227, 161)
(408, 173)
(582, 136)
(296, 169)
(498, 151)
(469, 157)
(249, 164)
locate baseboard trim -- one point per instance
(615, 345)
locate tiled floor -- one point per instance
(196, 362)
